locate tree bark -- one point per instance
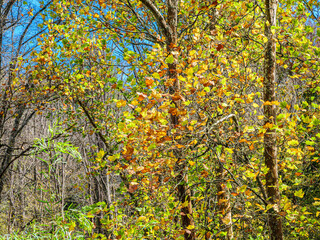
(224, 201)
(270, 138)
(184, 192)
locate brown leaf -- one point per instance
(219, 47)
(132, 188)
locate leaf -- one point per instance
(219, 47)
(242, 188)
(191, 163)
(293, 143)
(271, 103)
(100, 154)
(190, 227)
(255, 105)
(247, 192)
(170, 59)
(121, 103)
(142, 218)
(149, 82)
(132, 188)
(310, 143)
(299, 193)
(72, 226)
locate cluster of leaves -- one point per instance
(107, 62)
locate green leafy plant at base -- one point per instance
(75, 225)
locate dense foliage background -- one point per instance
(159, 119)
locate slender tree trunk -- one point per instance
(224, 201)
(270, 138)
(63, 186)
(184, 193)
(10, 149)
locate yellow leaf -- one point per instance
(191, 163)
(72, 226)
(142, 218)
(255, 105)
(185, 204)
(242, 188)
(268, 125)
(100, 154)
(121, 103)
(134, 102)
(293, 143)
(260, 207)
(299, 193)
(190, 227)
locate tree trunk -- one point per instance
(270, 138)
(168, 27)
(224, 201)
(184, 193)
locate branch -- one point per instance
(7, 10)
(91, 120)
(233, 116)
(29, 24)
(141, 22)
(160, 19)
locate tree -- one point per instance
(270, 138)
(15, 108)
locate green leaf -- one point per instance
(283, 104)
(170, 59)
(293, 143)
(299, 193)
(310, 143)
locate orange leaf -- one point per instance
(149, 82)
(248, 192)
(283, 214)
(176, 97)
(268, 125)
(173, 111)
(141, 96)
